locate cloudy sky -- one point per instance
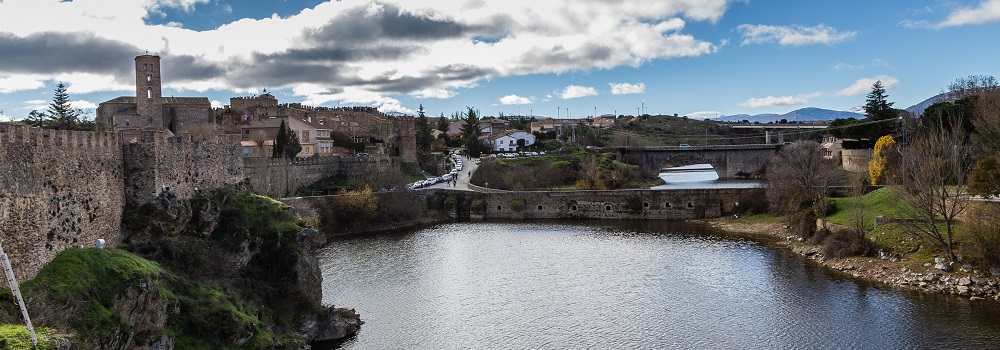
(699, 57)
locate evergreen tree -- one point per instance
(423, 131)
(442, 124)
(877, 106)
(278, 150)
(61, 114)
(292, 145)
(471, 133)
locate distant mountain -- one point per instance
(809, 114)
(918, 109)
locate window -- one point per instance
(149, 92)
(149, 78)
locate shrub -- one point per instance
(985, 177)
(983, 225)
(844, 243)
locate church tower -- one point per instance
(148, 100)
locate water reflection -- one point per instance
(623, 285)
(699, 176)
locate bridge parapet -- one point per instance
(730, 161)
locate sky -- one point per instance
(576, 58)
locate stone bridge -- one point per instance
(730, 161)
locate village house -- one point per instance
(511, 141)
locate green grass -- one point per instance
(884, 202)
(90, 280)
(16, 337)
(761, 219)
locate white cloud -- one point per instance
(848, 67)
(514, 100)
(987, 11)
(577, 91)
(864, 85)
(216, 104)
(704, 115)
(83, 104)
(20, 82)
(35, 105)
(780, 101)
(793, 35)
(627, 89)
(526, 39)
(434, 93)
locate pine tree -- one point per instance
(292, 146)
(471, 132)
(424, 138)
(877, 106)
(442, 124)
(278, 150)
(61, 114)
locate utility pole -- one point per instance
(15, 290)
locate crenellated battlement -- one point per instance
(20, 134)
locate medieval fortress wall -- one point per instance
(63, 189)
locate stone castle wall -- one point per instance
(182, 164)
(279, 178)
(61, 189)
(58, 189)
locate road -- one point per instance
(464, 176)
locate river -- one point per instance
(624, 285)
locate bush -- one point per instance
(983, 226)
(843, 243)
(518, 204)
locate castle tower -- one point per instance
(148, 100)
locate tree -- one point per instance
(61, 113)
(442, 124)
(877, 105)
(471, 133)
(798, 179)
(423, 131)
(278, 150)
(292, 145)
(985, 177)
(932, 170)
(971, 86)
(878, 165)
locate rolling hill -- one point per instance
(808, 114)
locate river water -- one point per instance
(624, 285)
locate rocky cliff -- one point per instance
(223, 270)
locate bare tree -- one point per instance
(798, 179)
(972, 85)
(933, 169)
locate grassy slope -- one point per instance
(15, 337)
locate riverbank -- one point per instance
(904, 273)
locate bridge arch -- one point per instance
(730, 162)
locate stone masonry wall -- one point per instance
(183, 164)
(280, 178)
(432, 206)
(626, 204)
(58, 189)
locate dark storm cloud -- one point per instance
(560, 58)
(341, 54)
(51, 52)
(357, 26)
(189, 68)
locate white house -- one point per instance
(508, 142)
